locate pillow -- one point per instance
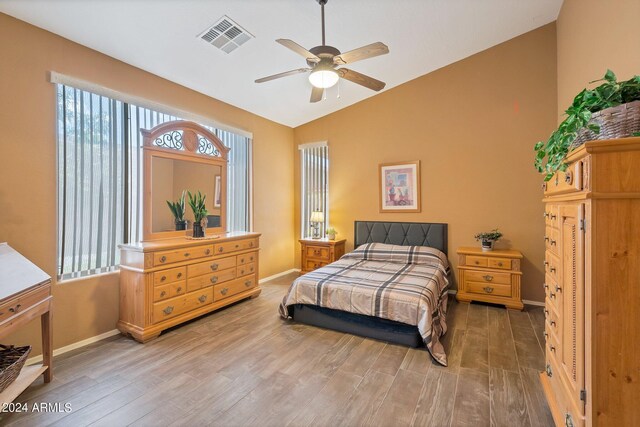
(399, 254)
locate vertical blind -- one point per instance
(100, 161)
(314, 172)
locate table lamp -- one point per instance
(317, 218)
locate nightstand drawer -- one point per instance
(500, 263)
(317, 252)
(477, 261)
(487, 277)
(488, 289)
(313, 264)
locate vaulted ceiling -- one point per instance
(161, 36)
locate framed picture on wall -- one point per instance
(400, 187)
(216, 199)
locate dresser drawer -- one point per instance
(478, 261)
(487, 277)
(210, 279)
(318, 252)
(551, 239)
(181, 304)
(184, 254)
(163, 277)
(169, 291)
(500, 263)
(551, 213)
(487, 289)
(243, 270)
(246, 258)
(551, 322)
(19, 304)
(551, 265)
(235, 245)
(569, 181)
(234, 287)
(211, 266)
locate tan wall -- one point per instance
(162, 190)
(473, 125)
(89, 307)
(594, 35)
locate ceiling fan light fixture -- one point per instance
(323, 78)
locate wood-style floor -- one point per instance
(245, 366)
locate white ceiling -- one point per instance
(160, 36)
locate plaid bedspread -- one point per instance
(407, 284)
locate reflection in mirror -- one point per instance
(169, 178)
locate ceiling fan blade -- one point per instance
(364, 52)
(285, 74)
(316, 94)
(361, 79)
(298, 49)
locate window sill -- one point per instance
(72, 280)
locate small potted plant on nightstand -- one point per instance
(331, 233)
(488, 238)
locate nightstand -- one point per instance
(492, 276)
(317, 253)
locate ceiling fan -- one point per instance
(323, 60)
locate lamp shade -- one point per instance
(317, 216)
(323, 78)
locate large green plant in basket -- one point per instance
(551, 155)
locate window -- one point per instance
(100, 179)
(314, 172)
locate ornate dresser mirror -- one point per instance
(182, 156)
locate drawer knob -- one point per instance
(15, 309)
(488, 289)
(250, 244)
(179, 289)
(546, 263)
(237, 246)
(546, 312)
(202, 298)
(546, 335)
(553, 323)
(552, 242)
(224, 291)
(163, 258)
(558, 288)
(186, 254)
(552, 216)
(544, 185)
(241, 272)
(214, 279)
(568, 177)
(546, 286)
(168, 310)
(552, 348)
(250, 258)
(548, 371)
(242, 260)
(499, 264)
(247, 283)
(163, 293)
(552, 269)
(477, 262)
(546, 238)
(552, 295)
(207, 252)
(546, 215)
(163, 278)
(220, 249)
(179, 275)
(214, 267)
(487, 277)
(568, 420)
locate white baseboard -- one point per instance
(525, 301)
(275, 276)
(76, 345)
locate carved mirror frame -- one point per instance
(186, 141)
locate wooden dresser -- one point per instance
(492, 276)
(166, 282)
(317, 253)
(592, 285)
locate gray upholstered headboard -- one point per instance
(401, 233)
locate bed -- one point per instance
(392, 287)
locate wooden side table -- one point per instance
(492, 276)
(25, 295)
(317, 253)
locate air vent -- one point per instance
(226, 35)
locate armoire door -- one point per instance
(571, 293)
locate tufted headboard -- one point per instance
(401, 233)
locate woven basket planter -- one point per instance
(11, 362)
(615, 122)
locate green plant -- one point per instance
(331, 230)
(609, 94)
(489, 236)
(197, 204)
(177, 208)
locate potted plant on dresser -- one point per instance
(488, 238)
(197, 203)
